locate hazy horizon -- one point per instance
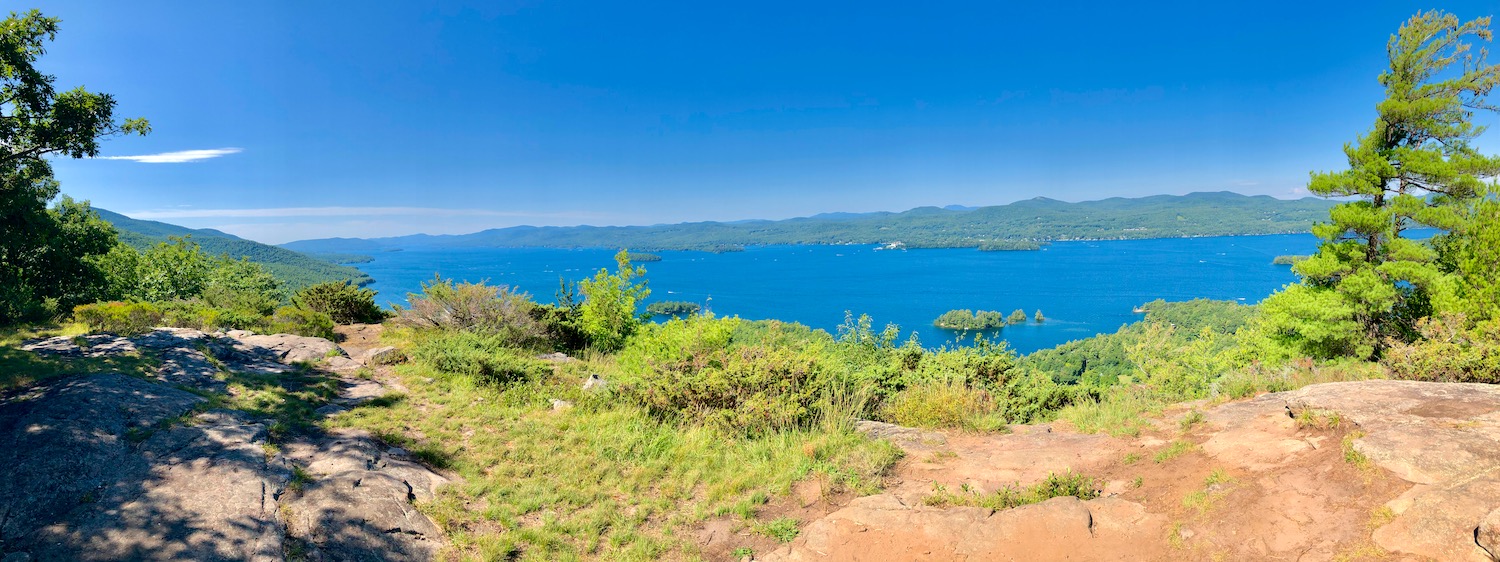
(168, 217)
(281, 128)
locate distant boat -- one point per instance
(1139, 310)
(897, 245)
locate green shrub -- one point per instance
(342, 301)
(123, 318)
(242, 285)
(559, 326)
(483, 357)
(608, 312)
(476, 307)
(947, 403)
(687, 369)
(1448, 353)
(187, 314)
(300, 321)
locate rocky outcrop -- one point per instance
(1487, 536)
(295, 349)
(1057, 529)
(1443, 438)
(116, 467)
(1302, 475)
(358, 502)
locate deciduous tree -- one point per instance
(45, 254)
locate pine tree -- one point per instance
(1416, 167)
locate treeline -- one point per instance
(1102, 360)
(175, 283)
(293, 269)
(1011, 245)
(1018, 225)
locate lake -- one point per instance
(1082, 288)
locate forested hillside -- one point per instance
(1160, 216)
(294, 269)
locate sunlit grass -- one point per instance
(21, 368)
(1122, 413)
(603, 479)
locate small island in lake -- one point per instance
(1288, 260)
(673, 308)
(642, 257)
(966, 319)
(1011, 245)
(972, 320)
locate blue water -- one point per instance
(1082, 288)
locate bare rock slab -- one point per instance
(290, 348)
(881, 527)
(358, 505)
(109, 472)
(1487, 536)
(1444, 437)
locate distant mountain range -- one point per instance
(1040, 220)
(293, 268)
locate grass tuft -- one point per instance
(1053, 486)
(783, 529)
(1176, 449)
(1311, 418)
(1193, 417)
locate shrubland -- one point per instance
(706, 416)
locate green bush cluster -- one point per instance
(123, 318)
(342, 301)
(487, 359)
(938, 403)
(755, 377)
(300, 321)
(175, 284)
(129, 318)
(1448, 352)
(490, 309)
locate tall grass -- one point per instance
(1120, 413)
(942, 403)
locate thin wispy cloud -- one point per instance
(178, 157)
(278, 212)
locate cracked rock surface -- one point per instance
(1398, 470)
(116, 467)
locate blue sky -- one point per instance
(317, 119)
